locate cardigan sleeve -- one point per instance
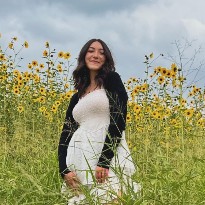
(118, 97)
(69, 127)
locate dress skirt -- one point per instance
(85, 147)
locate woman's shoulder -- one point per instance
(74, 97)
(113, 81)
(113, 74)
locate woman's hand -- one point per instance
(72, 181)
(101, 174)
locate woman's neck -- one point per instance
(92, 78)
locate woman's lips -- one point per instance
(96, 62)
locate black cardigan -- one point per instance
(118, 97)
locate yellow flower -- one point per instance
(16, 72)
(57, 102)
(148, 109)
(168, 74)
(59, 67)
(47, 44)
(19, 77)
(182, 101)
(158, 69)
(41, 65)
(37, 70)
(130, 103)
(189, 113)
(155, 114)
(133, 96)
(201, 122)
(137, 117)
(159, 116)
(136, 89)
(26, 88)
(1, 56)
(45, 53)
(128, 118)
(42, 99)
(15, 38)
(129, 81)
(11, 45)
(163, 71)
(54, 108)
(16, 91)
(182, 79)
(134, 80)
(4, 66)
(25, 44)
(173, 121)
(137, 108)
(36, 78)
(2, 78)
(167, 111)
(20, 83)
(34, 63)
(20, 108)
(66, 85)
(68, 94)
(47, 114)
(174, 83)
(174, 67)
(60, 54)
(42, 109)
(160, 79)
(195, 90)
(66, 55)
(30, 66)
(53, 94)
(135, 92)
(128, 87)
(42, 91)
(26, 79)
(25, 74)
(173, 74)
(144, 87)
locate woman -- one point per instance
(92, 150)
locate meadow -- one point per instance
(165, 130)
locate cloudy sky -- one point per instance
(131, 28)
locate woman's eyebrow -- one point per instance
(98, 49)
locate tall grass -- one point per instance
(165, 131)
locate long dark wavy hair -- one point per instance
(81, 74)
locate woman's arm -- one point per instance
(118, 110)
(69, 127)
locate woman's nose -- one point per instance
(95, 54)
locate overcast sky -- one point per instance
(131, 28)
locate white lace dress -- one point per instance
(85, 147)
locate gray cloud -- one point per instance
(130, 28)
(88, 7)
(93, 7)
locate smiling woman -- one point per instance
(94, 57)
(93, 152)
(94, 60)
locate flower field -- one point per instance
(165, 130)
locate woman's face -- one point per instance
(95, 57)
